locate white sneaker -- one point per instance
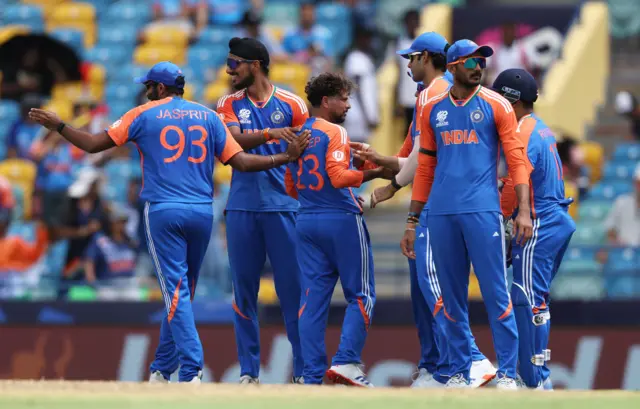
(156, 377)
(425, 380)
(249, 380)
(481, 373)
(299, 380)
(520, 383)
(506, 384)
(196, 379)
(457, 382)
(349, 374)
(547, 385)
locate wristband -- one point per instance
(60, 127)
(273, 160)
(265, 133)
(413, 220)
(410, 229)
(414, 214)
(395, 184)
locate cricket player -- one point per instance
(260, 216)
(333, 241)
(461, 132)
(536, 263)
(178, 141)
(427, 64)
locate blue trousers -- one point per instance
(177, 237)
(534, 267)
(476, 238)
(333, 246)
(251, 237)
(429, 299)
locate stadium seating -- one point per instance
(25, 15)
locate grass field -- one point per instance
(115, 395)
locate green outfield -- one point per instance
(116, 395)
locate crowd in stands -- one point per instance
(71, 223)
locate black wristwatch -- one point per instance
(60, 127)
(395, 183)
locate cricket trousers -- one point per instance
(431, 296)
(534, 266)
(458, 241)
(177, 238)
(251, 237)
(334, 246)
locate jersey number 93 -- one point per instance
(178, 147)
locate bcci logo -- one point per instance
(477, 116)
(244, 116)
(441, 119)
(116, 123)
(277, 117)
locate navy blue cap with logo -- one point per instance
(164, 72)
(515, 85)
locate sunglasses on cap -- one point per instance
(233, 63)
(471, 63)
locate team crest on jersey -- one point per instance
(244, 115)
(116, 123)
(338, 155)
(441, 119)
(477, 116)
(277, 117)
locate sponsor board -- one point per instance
(581, 359)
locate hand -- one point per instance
(382, 194)
(522, 227)
(364, 152)
(408, 241)
(288, 134)
(298, 145)
(47, 119)
(386, 173)
(361, 200)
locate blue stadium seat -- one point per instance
(100, 5)
(580, 267)
(594, 210)
(121, 34)
(623, 287)
(3, 151)
(119, 169)
(24, 14)
(71, 37)
(108, 55)
(609, 190)
(130, 12)
(217, 35)
(207, 56)
(588, 233)
(619, 170)
(577, 286)
(623, 260)
(121, 92)
(581, 253)
(627, 152)
(9, 111)
(117, 109)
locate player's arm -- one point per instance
(289, 184)
(337, 162)
(88, 142)
(366, 154)
(514, 152)
(508, 198)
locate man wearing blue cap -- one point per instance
(535, 264)
(178, 141)
(457, 172)
(427, 64)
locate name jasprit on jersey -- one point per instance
(181, 113)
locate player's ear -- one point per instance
(162, 89)
(325, 102)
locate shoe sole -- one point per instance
(340, 379)
(485, 380)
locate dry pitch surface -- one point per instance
(118, 395)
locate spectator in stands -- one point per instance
(405, 92)
(511, 53)
(308, 40)
(359, 67)
(252, 27)
(623, 221)
(85, 215)
(134, 209)
(182, 14)
(24, 131)
(573, 167)
(627, 105)
(31, 74)
(110, 257)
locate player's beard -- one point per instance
(339, 118)
(246, 83)
(154, 95)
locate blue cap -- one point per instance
(516, 84)
(163, 72)
(431, 42)
(464, 48)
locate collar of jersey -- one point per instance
(273, 92)
(466, 101)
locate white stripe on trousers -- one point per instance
(364, 273)
(504, 254)
(431, 270)
(154, 256)
(527, 262)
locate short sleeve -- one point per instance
(225, 145)
(226, 113)
(121, 130)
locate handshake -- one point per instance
(365, 157)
